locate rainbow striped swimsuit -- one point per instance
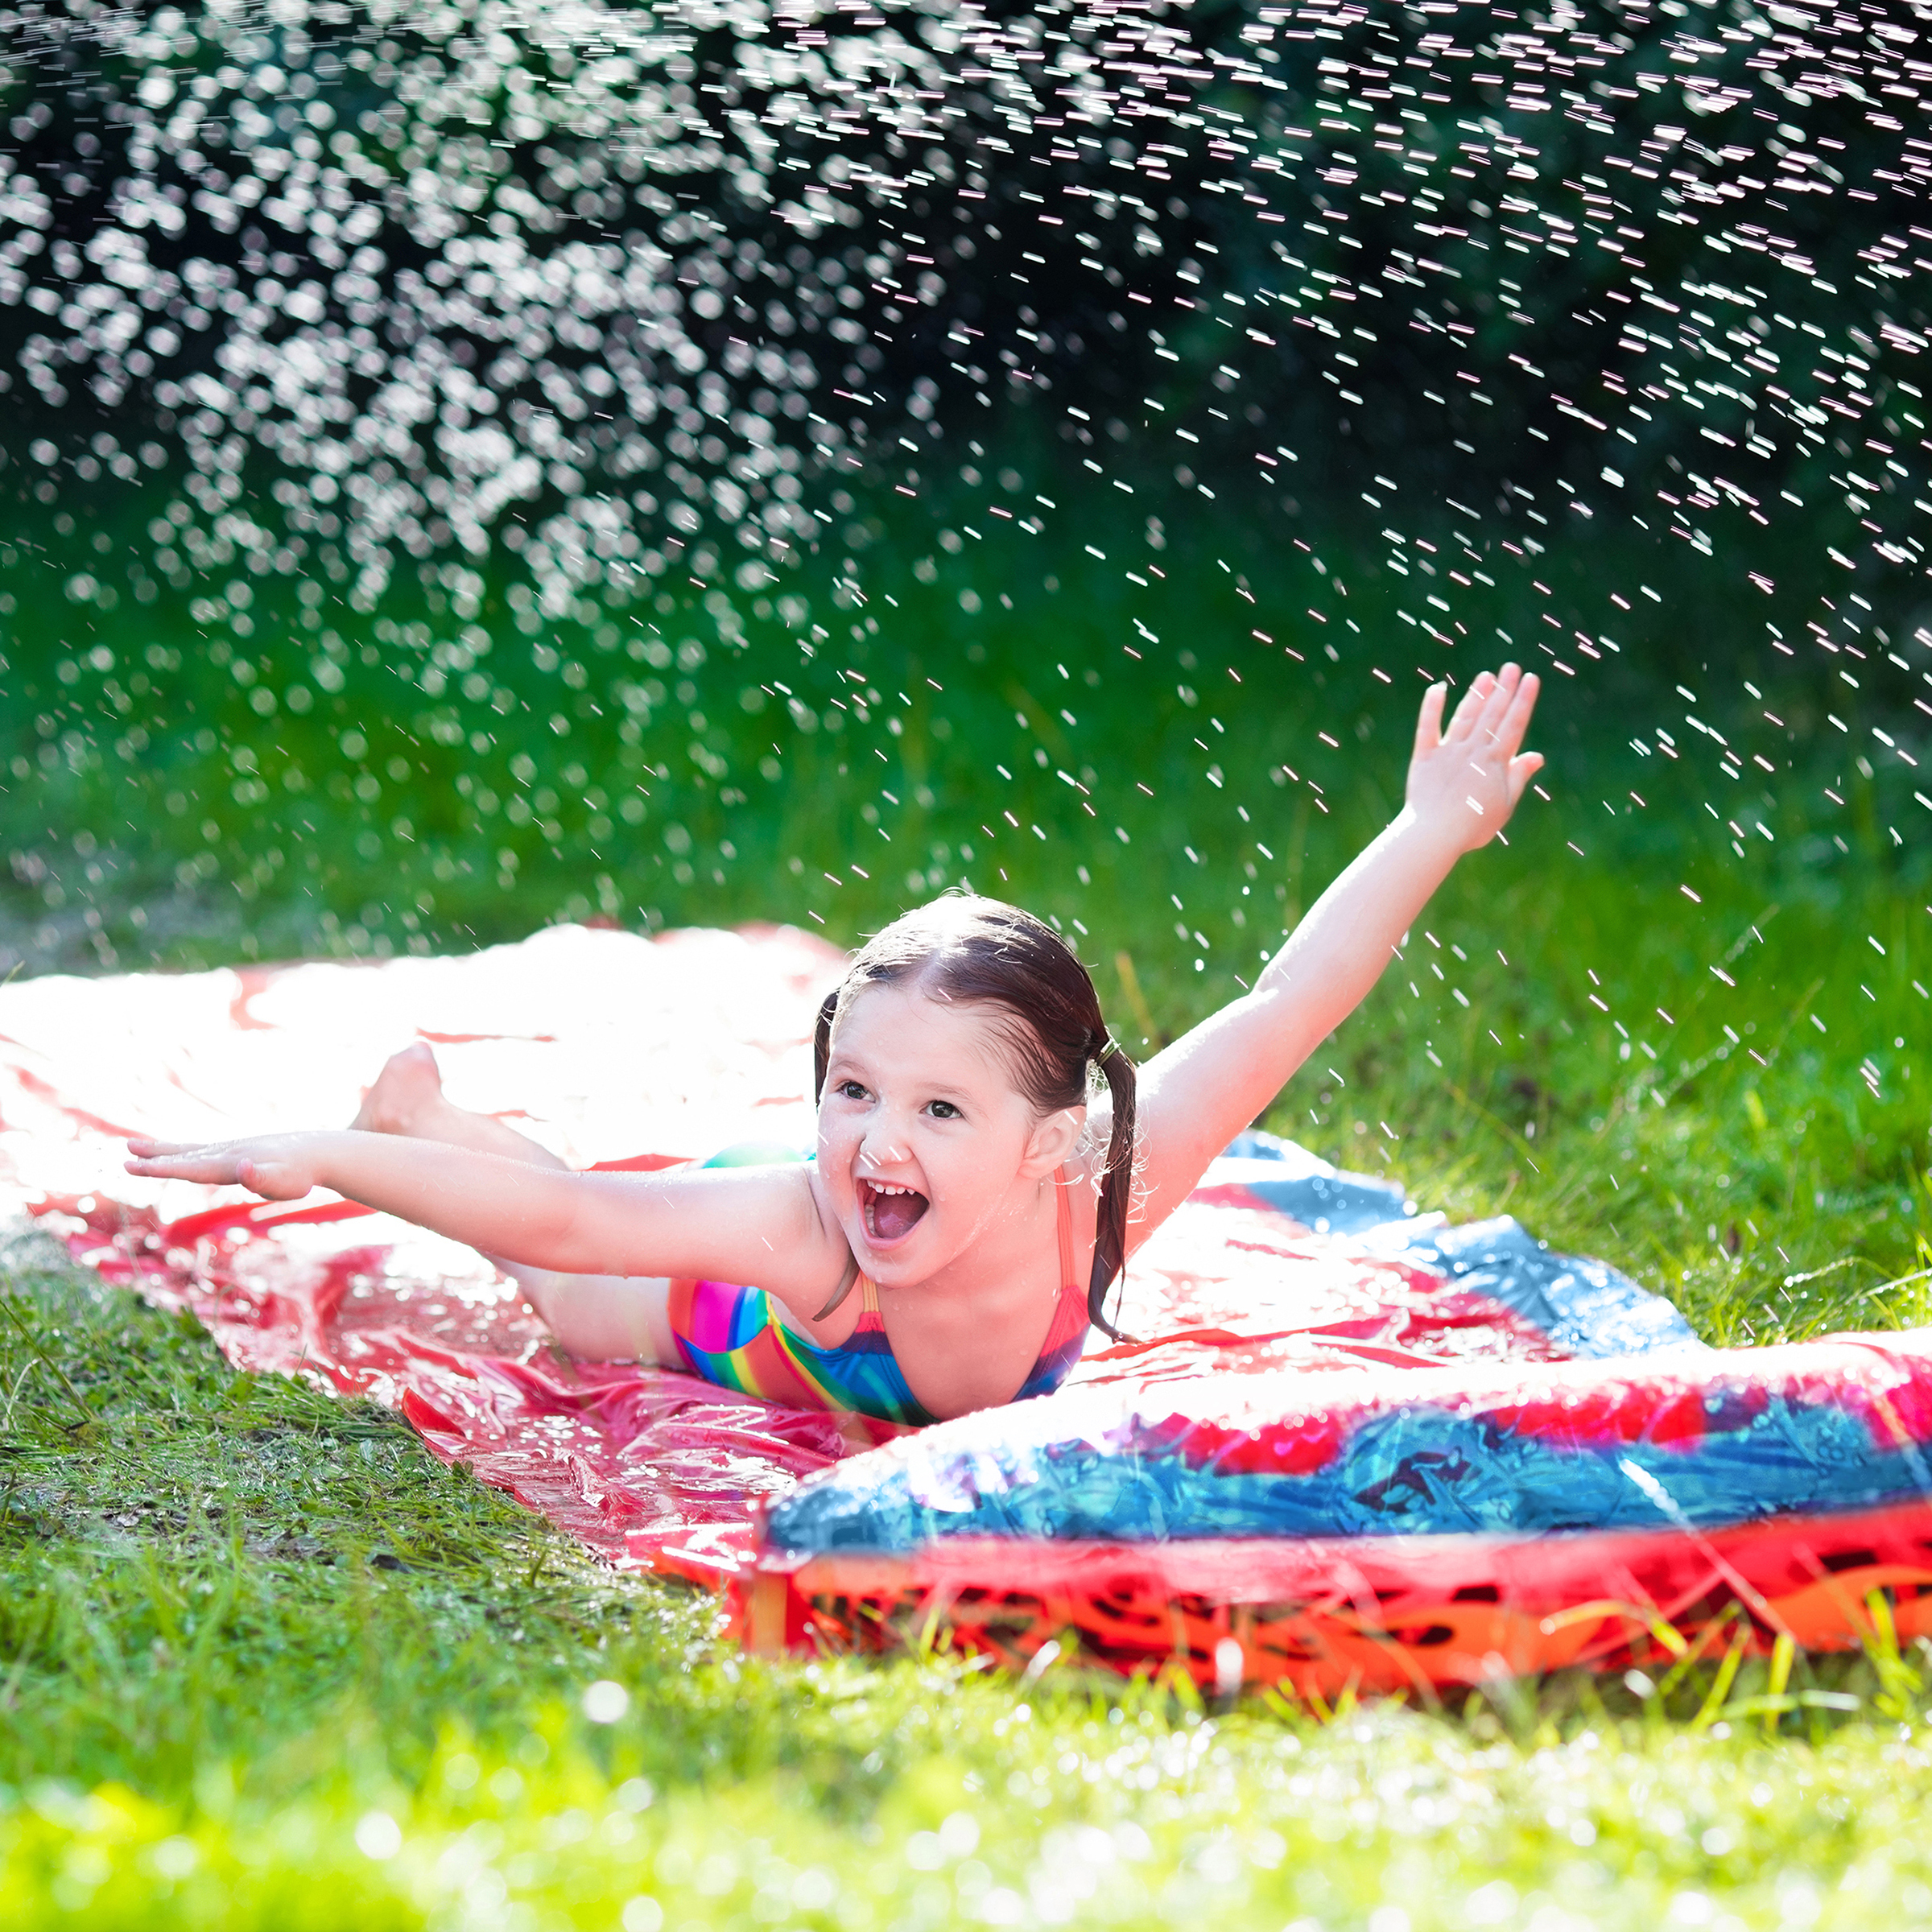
(732, 1336)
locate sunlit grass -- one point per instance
(1019, 711)
(351, 1689)
(266, 1662)
(270, 1665)
(263, 1661)
(1760, 1154)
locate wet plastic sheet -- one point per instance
(591, 1041)
(1341, 1419)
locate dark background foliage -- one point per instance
(466, 467)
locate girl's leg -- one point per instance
(408, 1099)
(603, 1317)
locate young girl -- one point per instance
(968, 1205)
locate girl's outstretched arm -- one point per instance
(766, 1227)
(1463, 783)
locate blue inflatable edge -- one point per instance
(1427, 1470)
(1585, 1307)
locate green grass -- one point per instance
(264, 1662)
(243, 765)
(269, 1665)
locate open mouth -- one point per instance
(890, 1213)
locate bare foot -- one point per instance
(408, 1099)
(407, 1095)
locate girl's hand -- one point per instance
(1465, 781)
(277, 1166)
(764, 1226)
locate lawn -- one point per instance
(270, 1663)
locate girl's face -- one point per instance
(924, 1144)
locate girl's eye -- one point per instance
(944, 1110)
(851, 1090)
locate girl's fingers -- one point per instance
(1471, 708)
(1515, 720)
(1499, 709)
(1477, 718)
(1496, 707)
(162, 1167)
(1522, 769)
(1429, 721)
(168, 1161)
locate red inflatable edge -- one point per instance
(1385, 1614)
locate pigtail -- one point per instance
(1117, 1188)
(821, 1044)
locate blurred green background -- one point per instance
(703, 502)
(698, 491)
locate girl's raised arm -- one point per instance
(1463, 783)
(761, 1227)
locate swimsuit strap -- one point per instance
(1064, 1192)
(1066, 1332)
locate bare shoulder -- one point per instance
(761, 1227)
(818, 1254)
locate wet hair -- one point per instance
(1042, 1001)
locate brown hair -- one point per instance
(984, 953)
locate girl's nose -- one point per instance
(882, 1148)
